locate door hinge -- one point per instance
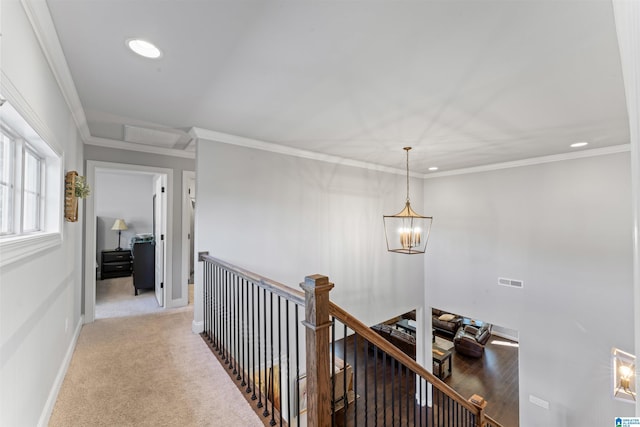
(162, 190)
(161, 285)
(162, 237)
(188, 236)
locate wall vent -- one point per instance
(510, 282)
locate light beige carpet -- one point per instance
(148, 370)
(115, 298)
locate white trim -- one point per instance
(38, 14)
(186, 229)
(13, 249)
(534, 161)
(27, 113)
(225, 138)
(90, 232)
(131, 146)
(62, 372)
(209, 135)
(505, 336)
(197, 327)
(44, 29)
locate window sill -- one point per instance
(13, 249)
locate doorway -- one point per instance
(163, 216)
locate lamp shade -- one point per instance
(119, 225)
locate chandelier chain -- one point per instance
(407, 150)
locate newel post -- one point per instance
(480, 404)
(317, 325)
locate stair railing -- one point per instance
(343, 374)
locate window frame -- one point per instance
(10, 184)
(29, 135)
(27, 150)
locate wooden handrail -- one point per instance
(491, 422)
(317, 332)
(364, 331)
(292, 294)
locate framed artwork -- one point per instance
(301, 387)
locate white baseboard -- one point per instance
(55, 389)
(180, 302)
(197, 327)
(506, 336)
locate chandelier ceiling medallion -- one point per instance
(407, 232)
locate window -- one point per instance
(6, 185)
(30, 188)
(31, 195)
(21, 186)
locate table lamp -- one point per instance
(119, 225)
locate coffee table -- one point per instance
(440, 359)
(407, 326)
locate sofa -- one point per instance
(402, 340)
(446, 324)
(470, 340)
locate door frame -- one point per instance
(90, 260)
(186, 229)
(160, 223)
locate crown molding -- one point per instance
(38, 14)
(130, 146)
(534, 161)
(225, 138)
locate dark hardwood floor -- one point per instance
(391, 392)
(493, 376)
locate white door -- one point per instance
(159, 231)
(192, 205)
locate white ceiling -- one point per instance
(466, 83)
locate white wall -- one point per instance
(286, 217)
(565, 229)
(627, 15)
(39, 297)
(123, 195)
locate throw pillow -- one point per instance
(447, 317)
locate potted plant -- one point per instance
(82, 189)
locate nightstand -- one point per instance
(115, 264)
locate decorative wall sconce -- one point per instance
(75, 187)
(407, 232)
(70, 199)
(624, 375)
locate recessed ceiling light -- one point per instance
(433, 168)
(578, 144)
(144, 48)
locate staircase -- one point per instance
(304, 361)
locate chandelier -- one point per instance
(407, 232)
